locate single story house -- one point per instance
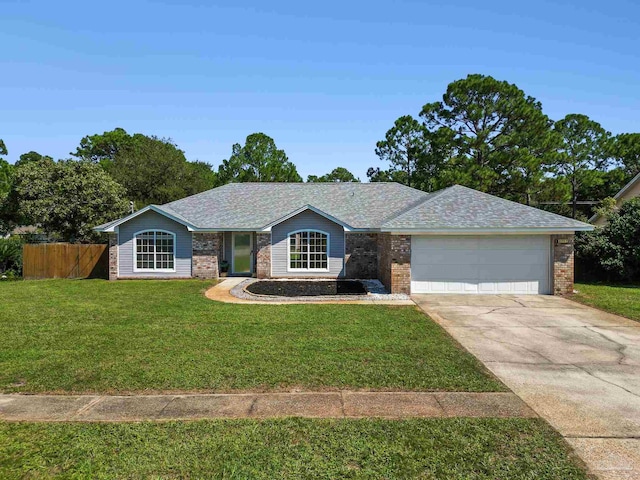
(629, 191)
(456, 240)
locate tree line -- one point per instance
(489, 135)
(112, 173)
(484, 133)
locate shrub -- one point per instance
(612, 253)
(11, 257)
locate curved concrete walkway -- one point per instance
(221, 292)
(576, 366)
(343, 404)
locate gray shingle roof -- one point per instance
(253, 205)
(368, 206)
(463, 208)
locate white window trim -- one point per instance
(289, 269)
(135, 252)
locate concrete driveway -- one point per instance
(575, 366)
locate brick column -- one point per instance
(563, 265)
(113, 256)
(206, 252)
(263, 255)
(394, 262)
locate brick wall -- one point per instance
(361, 255)
(263, 255)
(394, 262)
(207, 249)
(113, 256)
(563, 264)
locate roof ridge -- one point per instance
(198, 194)
(422, 201)
(167, 208)
(515, 203)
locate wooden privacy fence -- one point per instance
(64, 260)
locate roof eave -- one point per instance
(486, 231)
(622, 191)
(618, 195)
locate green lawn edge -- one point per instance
(623, 300)
(290, 448)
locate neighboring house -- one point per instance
(456, 240)
(32, 232)
(629, 191)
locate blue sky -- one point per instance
(324, 79)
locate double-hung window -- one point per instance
(155, 250)
(308, 251)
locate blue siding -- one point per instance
(150, 221)
(303, 221)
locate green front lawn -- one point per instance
(619, 299)
(133, 336)
(289, 448)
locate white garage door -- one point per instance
(482, 264)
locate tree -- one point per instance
(337, 175)
(625, 149)
(32, 157)
(495, 137)
(152, 169)
(612, 253)
(67, 198)
(6, 180)
(258, 160)
(375, 174)
(607, 207)
(602, 184)
(103, 148)
(155, 171)
(403, 147)
(202, 176)
(11, 256)
(5, 173)
(583, 152)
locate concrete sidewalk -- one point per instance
(343, 404)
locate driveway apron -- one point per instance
(576, 366)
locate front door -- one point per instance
(242, 253)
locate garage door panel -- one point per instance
(514, 257)
(489, 257)
(482, 264)
(444, 287)
(512, 273)
(508, 287)
(439, 257)
(448, 272)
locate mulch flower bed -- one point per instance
(304, 288)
